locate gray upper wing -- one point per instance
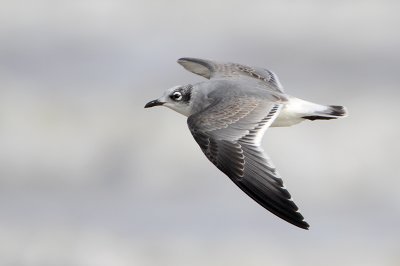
(229, 132)
(211, 69)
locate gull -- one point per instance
(228, 115)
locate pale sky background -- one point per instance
(88, 177)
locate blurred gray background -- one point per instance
(89, 177)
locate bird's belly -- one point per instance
(290, 115)
(287, 119)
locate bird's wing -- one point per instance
(211, 69)
(229, 132)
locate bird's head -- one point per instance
(177, 98)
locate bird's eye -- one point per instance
(176, 96)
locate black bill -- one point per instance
(153, 103)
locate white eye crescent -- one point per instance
(176, 96)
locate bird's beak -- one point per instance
(153, 103)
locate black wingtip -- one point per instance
(180, 60)
(298, 222)
(185, 59)
(304, 225)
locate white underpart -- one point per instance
(179, 108)
(294, 110)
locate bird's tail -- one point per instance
(327, 112)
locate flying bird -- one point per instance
(228, 116)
